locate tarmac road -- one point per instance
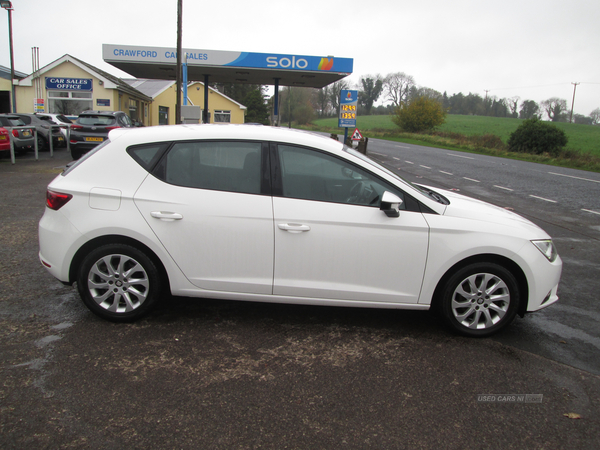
(564, 202)
(223, 374)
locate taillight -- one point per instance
(56, 200)
(76, 127)
(15, 133)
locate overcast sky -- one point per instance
(526, 48)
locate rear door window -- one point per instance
(233, 166)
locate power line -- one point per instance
(528, 87)
(541, 85)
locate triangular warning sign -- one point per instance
(356, 136)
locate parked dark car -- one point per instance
(91, 128)
(22, 137)
(42, 124)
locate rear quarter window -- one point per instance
(147, 155)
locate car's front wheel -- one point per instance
(118, 282)
(480, 299)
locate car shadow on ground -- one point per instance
(260, 314)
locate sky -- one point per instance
(531, 49)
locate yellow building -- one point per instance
(163, 94)
(5, 88)
(69, 86)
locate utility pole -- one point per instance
(7, 5)
(573, 102)
(179, 58)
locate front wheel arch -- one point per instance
(508, 264)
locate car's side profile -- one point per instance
(42, 125)
(269, 214)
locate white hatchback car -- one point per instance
(270, 214)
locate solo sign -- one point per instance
(348, 106)
(69, 84)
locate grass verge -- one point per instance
(488, 144)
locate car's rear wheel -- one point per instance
(118, 282)
(42, 144)
(76, 154)
(480, 299)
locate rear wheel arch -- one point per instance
(116, 239)
(507, 263)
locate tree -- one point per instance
(371, 90)
(513, 105)
(537, 137)
(421, 114)
(323, 101)
(595, 115)
(249, 95)
(529, 110)
(416, 92)
(297, 105)
(334, 94)
(396, 87)
(555, 108)
(257, 111)
(583, 120)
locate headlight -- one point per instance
(547, 248)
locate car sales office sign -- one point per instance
(69, 84)
(348, 104)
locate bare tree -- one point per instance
(555, 108)
(323, 101)
(595, 115)
(334, 93)
(397, 87)
(513, 105)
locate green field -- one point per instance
(582, 138)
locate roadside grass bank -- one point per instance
(485, 135)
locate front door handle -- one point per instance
(166, 215)
(293, 227)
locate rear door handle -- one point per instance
(293, 227)
(166, 215)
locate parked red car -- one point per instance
(4, 142)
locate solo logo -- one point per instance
(287, 63)
(300, 63)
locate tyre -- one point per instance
(480, 299)
(119, 283)
(76, 154)
(42, 144)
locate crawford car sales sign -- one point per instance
(69, 84)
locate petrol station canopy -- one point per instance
(228, 66)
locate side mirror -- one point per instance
(390, 204)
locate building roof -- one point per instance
(5, 73)
(110, 81)
(153, 88)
